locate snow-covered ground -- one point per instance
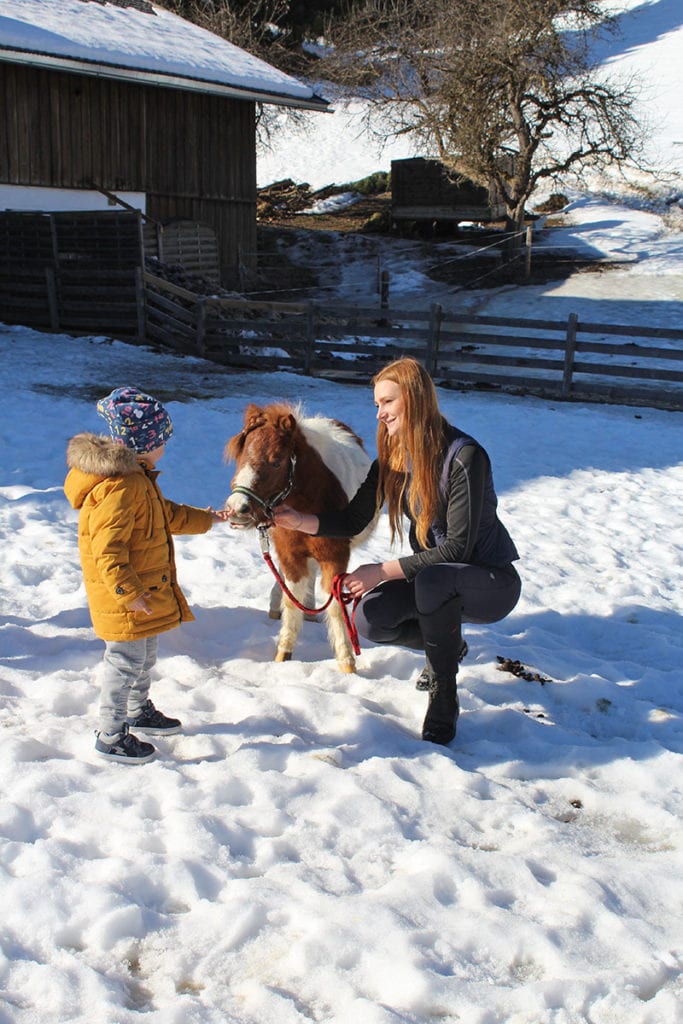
(298, 854)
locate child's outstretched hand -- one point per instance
(220, 515)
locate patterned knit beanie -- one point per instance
(135, 420)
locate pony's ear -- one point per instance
(253, 417)
(287, 423)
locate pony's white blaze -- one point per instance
(338, 449)
(245, 478)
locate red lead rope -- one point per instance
(349, 620)
(337, 592)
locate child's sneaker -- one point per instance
(154, 723)
(124, 747)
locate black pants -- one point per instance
(389, 613)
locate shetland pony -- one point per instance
(314, 464)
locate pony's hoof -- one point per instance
(283, 656)
(345, 666)
(274, 613)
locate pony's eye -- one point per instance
(276, 463)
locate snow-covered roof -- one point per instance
(134, 40)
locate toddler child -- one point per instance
(126, 548)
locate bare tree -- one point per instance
(294, 19)
(501, 91)
(258, 26)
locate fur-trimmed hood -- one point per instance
(98, 455)
(93, 458)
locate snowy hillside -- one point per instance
(648, 43)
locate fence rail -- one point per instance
(625, 364)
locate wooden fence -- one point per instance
(622, 364)
(71, 271)
(80, 272)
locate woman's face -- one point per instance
(390, 406)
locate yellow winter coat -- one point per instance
(124, 538)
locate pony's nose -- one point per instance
(237, 503)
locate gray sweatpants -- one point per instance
(125, 680)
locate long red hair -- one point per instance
(409, 462)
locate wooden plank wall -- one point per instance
(190, 245)
(202, 167)
(193, 154)
(28, 296)
(26, 239)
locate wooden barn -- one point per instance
(121, 105)
(423, 190)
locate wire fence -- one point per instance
(506, 265)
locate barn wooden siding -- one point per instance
(192, 154)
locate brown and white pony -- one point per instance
(315, 464)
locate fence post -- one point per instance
(140, 305)
(433, 337)
(52, 303)
(384, 289)
(309, 351)
(241, 269)
(200, 332)
(527, 262)
(569, 350)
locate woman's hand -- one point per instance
(367, 577)
(364, 578)
(291, 519)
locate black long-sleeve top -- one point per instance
(466, 528)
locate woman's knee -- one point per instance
(370, 628)
(386, 615)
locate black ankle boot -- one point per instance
(442, 712)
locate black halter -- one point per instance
(277, 499)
